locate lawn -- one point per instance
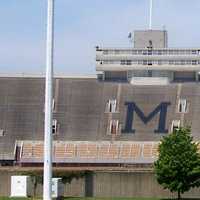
(79, 198)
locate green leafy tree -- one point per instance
(178, 164)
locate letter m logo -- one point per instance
(133, 108)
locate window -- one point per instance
(111, 106)
(149, 52)
(1, 132)
(144, 62)
(150, 62)
(188, 62)
(175, 125)
(194, 62)
(194, 52)
(54, 127)
(134, 52)
(123, 62)
(114, 126)
(105, 52)
(140, 62)
(144, 52)
(176, 62)
(182, 106)
(128, 62)
(182, 62)
(149, 72)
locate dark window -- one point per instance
(54, 127)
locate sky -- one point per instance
(80, 25)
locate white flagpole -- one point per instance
(150, 14)
(48, 104)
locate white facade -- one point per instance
(151, 56)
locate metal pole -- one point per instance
(48, 103)
(150, 14)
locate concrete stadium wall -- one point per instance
(107, 184)
(80, 109)
(132, 185)
(75, 188)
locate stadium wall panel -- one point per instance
(107, 184)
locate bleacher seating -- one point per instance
(80, 111)
(89, 152)
(82, 151)
(27, 150)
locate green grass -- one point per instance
(79, 198)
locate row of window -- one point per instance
(54, 128)
(114, 126)
(152, 52)
(111, 106)
(152, 62)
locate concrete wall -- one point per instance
(132, 185)
(158, 38)
(107, 184)
(75, 188)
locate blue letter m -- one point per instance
(132, 107)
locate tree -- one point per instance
(178, 164)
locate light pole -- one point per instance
(150, 14)
(48, 103)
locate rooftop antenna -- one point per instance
(47, 187)
(150, 14)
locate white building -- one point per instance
(150, 61)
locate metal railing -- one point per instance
(149, 51)
(150, 62)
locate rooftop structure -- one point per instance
(150, 61)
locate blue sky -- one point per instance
(81, 25)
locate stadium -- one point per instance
(109, 124)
